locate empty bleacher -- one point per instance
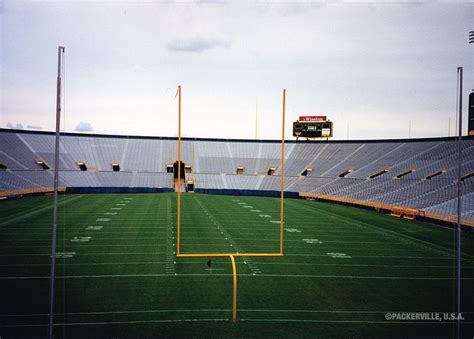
(213, 165)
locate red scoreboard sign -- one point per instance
(318, 118)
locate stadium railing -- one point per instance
(399, 211)
(30, 191)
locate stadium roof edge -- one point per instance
(8, 130)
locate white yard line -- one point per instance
(227, 310)
(119, 322)
(82, 254)
(200, 263)
(101, 276)
(170, 241)
(407, 238)
(39, 210)
(354, 321)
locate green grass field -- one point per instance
(343, 269)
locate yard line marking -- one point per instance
(354, 321)
(358, 277)
(318, 231)
(64, 255)
(120, 322)
(223, 231)
(41, 209)
(103, 232)
(33, 209)
(356, 265)
(167, 261)
(223, 310)
(294, 255)
(75, 239)
(86, 239)
(410, 239)
(337, 255)
(224, 274)
(250, 239)
(116, 229)
(226, 235)
(365, 242)
(370, 256)
(339, 311)
(292, 230)
(98, 263)
(82, 254)
(312, 241)
(307, 241)
(90, 228)
(170, 241)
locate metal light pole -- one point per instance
(55, 209)
(458, 231)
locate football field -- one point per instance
(345, 272)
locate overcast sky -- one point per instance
(370, 67)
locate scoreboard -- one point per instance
(312, 127)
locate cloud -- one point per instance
(34, 127)
(138, 68)
(196, 45)
(84, 127)
(17, 126)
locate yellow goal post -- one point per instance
(179, 254)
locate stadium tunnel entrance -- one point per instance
(179, 166)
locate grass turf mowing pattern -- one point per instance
(343, 269)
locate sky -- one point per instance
(378, 70)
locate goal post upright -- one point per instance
(282, 174)
(178, 231)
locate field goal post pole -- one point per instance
(282, 174)
(230, 255)
(54, 227)
(178, 244)
(234, 298)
